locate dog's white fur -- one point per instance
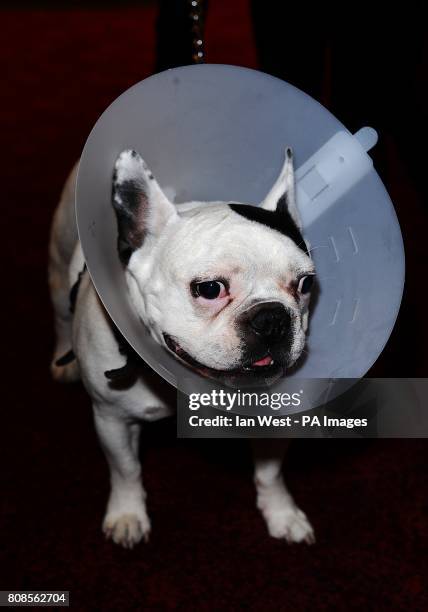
(158, 275)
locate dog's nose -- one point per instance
(270, 320)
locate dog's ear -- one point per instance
(282, 195)
(142, 209)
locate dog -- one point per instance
(223, 286)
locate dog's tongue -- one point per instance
(263, 362)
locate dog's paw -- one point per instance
(126, 529)
(65, 374)
(290, 524)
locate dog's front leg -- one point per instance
(283, 518)
(126, 521)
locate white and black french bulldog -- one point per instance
(223, 286)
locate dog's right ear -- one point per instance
(142, 209)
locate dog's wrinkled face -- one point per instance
(225, 287)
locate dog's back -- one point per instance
(63, 241)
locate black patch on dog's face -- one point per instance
(279, 219)
(129, 202)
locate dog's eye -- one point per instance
(305, 284)
(210, 290)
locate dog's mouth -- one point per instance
(260, 367)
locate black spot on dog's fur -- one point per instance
(126, 375)
(130, 203)
(279, 219)
(74, 290)
(65, 359)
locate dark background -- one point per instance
(61, 65)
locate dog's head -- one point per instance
(223, 286)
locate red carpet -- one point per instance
(209, 549)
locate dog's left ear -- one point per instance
(142, 209)
(282, 194)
